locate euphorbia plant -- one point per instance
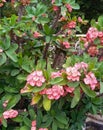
(51, 77)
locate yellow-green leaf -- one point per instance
(35, 99)
(46, 103)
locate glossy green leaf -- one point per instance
(11, 52)
(38, 89)
(2, 58)
(19, 118)
(56, 80)
(27, 121)
(4, 122)
(100, 20)
(88, 91)
(61, 117)
(24, 128)
(73, 84)
(46, 103)
(76, 97)
(13, 101)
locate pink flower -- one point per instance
(56, 74)
(43, 129)
(72, 24)
(33, 128)
(10, 114)
(86, 44)
(37, 35)
(92, 34)
(81, 65)
(66, 44)
(5, 103)
(73, 74)
(55, 8)
(55, 92)
(43, 91)
(33, 125)
(100, 34)
(1, 50)
(68, 6)
(53, 1)
(69, 89)
(91, 80)
(80, 20)
(36, 78)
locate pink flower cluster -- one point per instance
(36, 78)
(33, 127)
(71, 24)
(81, 65)
(68, 6)
(55, 92)
(56, 74)
(73, 74)
(66, 44)
(10, 114)
(91, 80)
(92, 34)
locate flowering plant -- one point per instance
(48, 69)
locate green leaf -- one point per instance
(13, 101)
(88, 91)
(19, 118)
(5, 44)
(59, 124)
(73, 84)
(35, 99)
(47, 29)
(32, 114)
(24, 128)
(63, 11)
(4, 122)
(15, 72)
(27, 121)
(47, 123)
(11, 89)
(101, 87)
(61, 117)
(46, 103)
(100, 20)
(41, 64)
(38, 89)
(56, 80)
(13, 20)
(22, 77)
(76, 97)
(54, 126)
(75, 6)
(11, 52)
(2, 59)
(68, 62)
